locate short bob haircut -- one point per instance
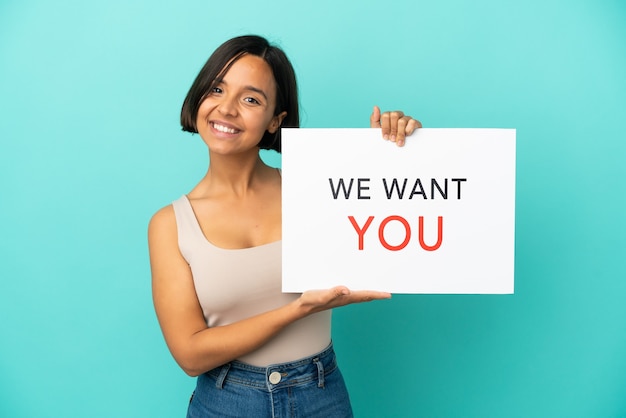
(220, 62)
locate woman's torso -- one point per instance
(234, 284)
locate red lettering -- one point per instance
(439, 234)
(381, 234)
(407, 230)
(359, 230)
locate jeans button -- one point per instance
(275, 378)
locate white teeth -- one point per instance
(224, 129)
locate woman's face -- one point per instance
(240, 108)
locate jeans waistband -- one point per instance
(275, 376)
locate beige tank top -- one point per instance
(232, 285)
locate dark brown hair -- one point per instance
(220, 62)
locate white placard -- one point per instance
(434, 216)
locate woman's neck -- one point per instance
(234, 174)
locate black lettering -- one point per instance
(394, 184)
(418, 186)
(458, 185)
(340, 186)
(361, 188)
(434, 184)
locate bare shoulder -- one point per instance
(162, 217)
(162, 224)
(165, 255)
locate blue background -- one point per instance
(90, 148)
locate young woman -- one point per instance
(215, 253)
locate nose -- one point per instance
(228, 106)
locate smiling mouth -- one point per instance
(225, 129)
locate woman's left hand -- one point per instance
(395, 125)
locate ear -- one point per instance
(275, 122)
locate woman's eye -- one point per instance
(251, 100)
(216, 90)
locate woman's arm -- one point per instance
(194, 346)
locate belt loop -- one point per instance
(320, 372)
(219, 383)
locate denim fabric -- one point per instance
(311, 387)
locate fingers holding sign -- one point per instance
(395, 125)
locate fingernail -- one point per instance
(393, 138)
(386, 137)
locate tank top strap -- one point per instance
(190, 236)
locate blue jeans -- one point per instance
(310, 387)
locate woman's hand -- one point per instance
(313, 301)
(395, 125)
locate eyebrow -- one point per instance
(251, 88)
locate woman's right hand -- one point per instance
(313, 301)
